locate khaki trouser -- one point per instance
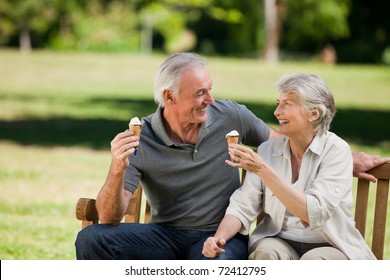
(274, 248)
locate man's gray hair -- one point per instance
(314, 94)
(169, 74)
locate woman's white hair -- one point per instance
(169, 74)
(314, 95)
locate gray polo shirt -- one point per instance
(189, 186)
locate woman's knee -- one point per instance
(324, 253)
(272, 249)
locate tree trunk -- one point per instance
(271, 32)
(146, 34)
(24, 40)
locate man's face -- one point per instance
(195, 96)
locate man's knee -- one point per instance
(90, 243)
(87, 236)
(84, 237)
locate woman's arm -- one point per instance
(228, 228)
(292, 198)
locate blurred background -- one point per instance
(74, 72)
(353, 31)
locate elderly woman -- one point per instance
(301, 180)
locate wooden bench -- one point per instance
(139, 212)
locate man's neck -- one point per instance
(180, 132)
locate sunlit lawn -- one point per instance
(59, 111)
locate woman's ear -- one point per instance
(315, 114)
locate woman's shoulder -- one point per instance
(335, 140)
(273, 144)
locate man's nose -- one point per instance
(209, 99)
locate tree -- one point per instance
(24, 16)
(271, 55)
(93, 25)
(369, 23)
(310, 24)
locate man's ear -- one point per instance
(168, 96)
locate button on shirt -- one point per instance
(326, 179)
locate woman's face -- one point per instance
(291, 115)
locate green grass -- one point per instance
(59, 112)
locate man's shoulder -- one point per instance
(226, 105)
(148, 119)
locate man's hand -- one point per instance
(363, 162)
(122, 146)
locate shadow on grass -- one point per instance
(365, 127)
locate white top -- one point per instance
(326, 179)
(294, 229)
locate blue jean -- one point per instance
(128, 241)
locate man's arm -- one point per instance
(113, 199)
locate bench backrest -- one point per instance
(382, 173)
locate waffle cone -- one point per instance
(232, 139)
(136, 128)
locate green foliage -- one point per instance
(369, 23)
(311, 23)
(170, 23)
(26, 15)
(231, 28)
(359, 30)
(386, 56)
(111, 27)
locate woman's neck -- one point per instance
(298, 146)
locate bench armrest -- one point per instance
(86, 210)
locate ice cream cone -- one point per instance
(136, 129)
(232, 137)
(135, 126)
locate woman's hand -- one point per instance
(213, 247)
(246, 158)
